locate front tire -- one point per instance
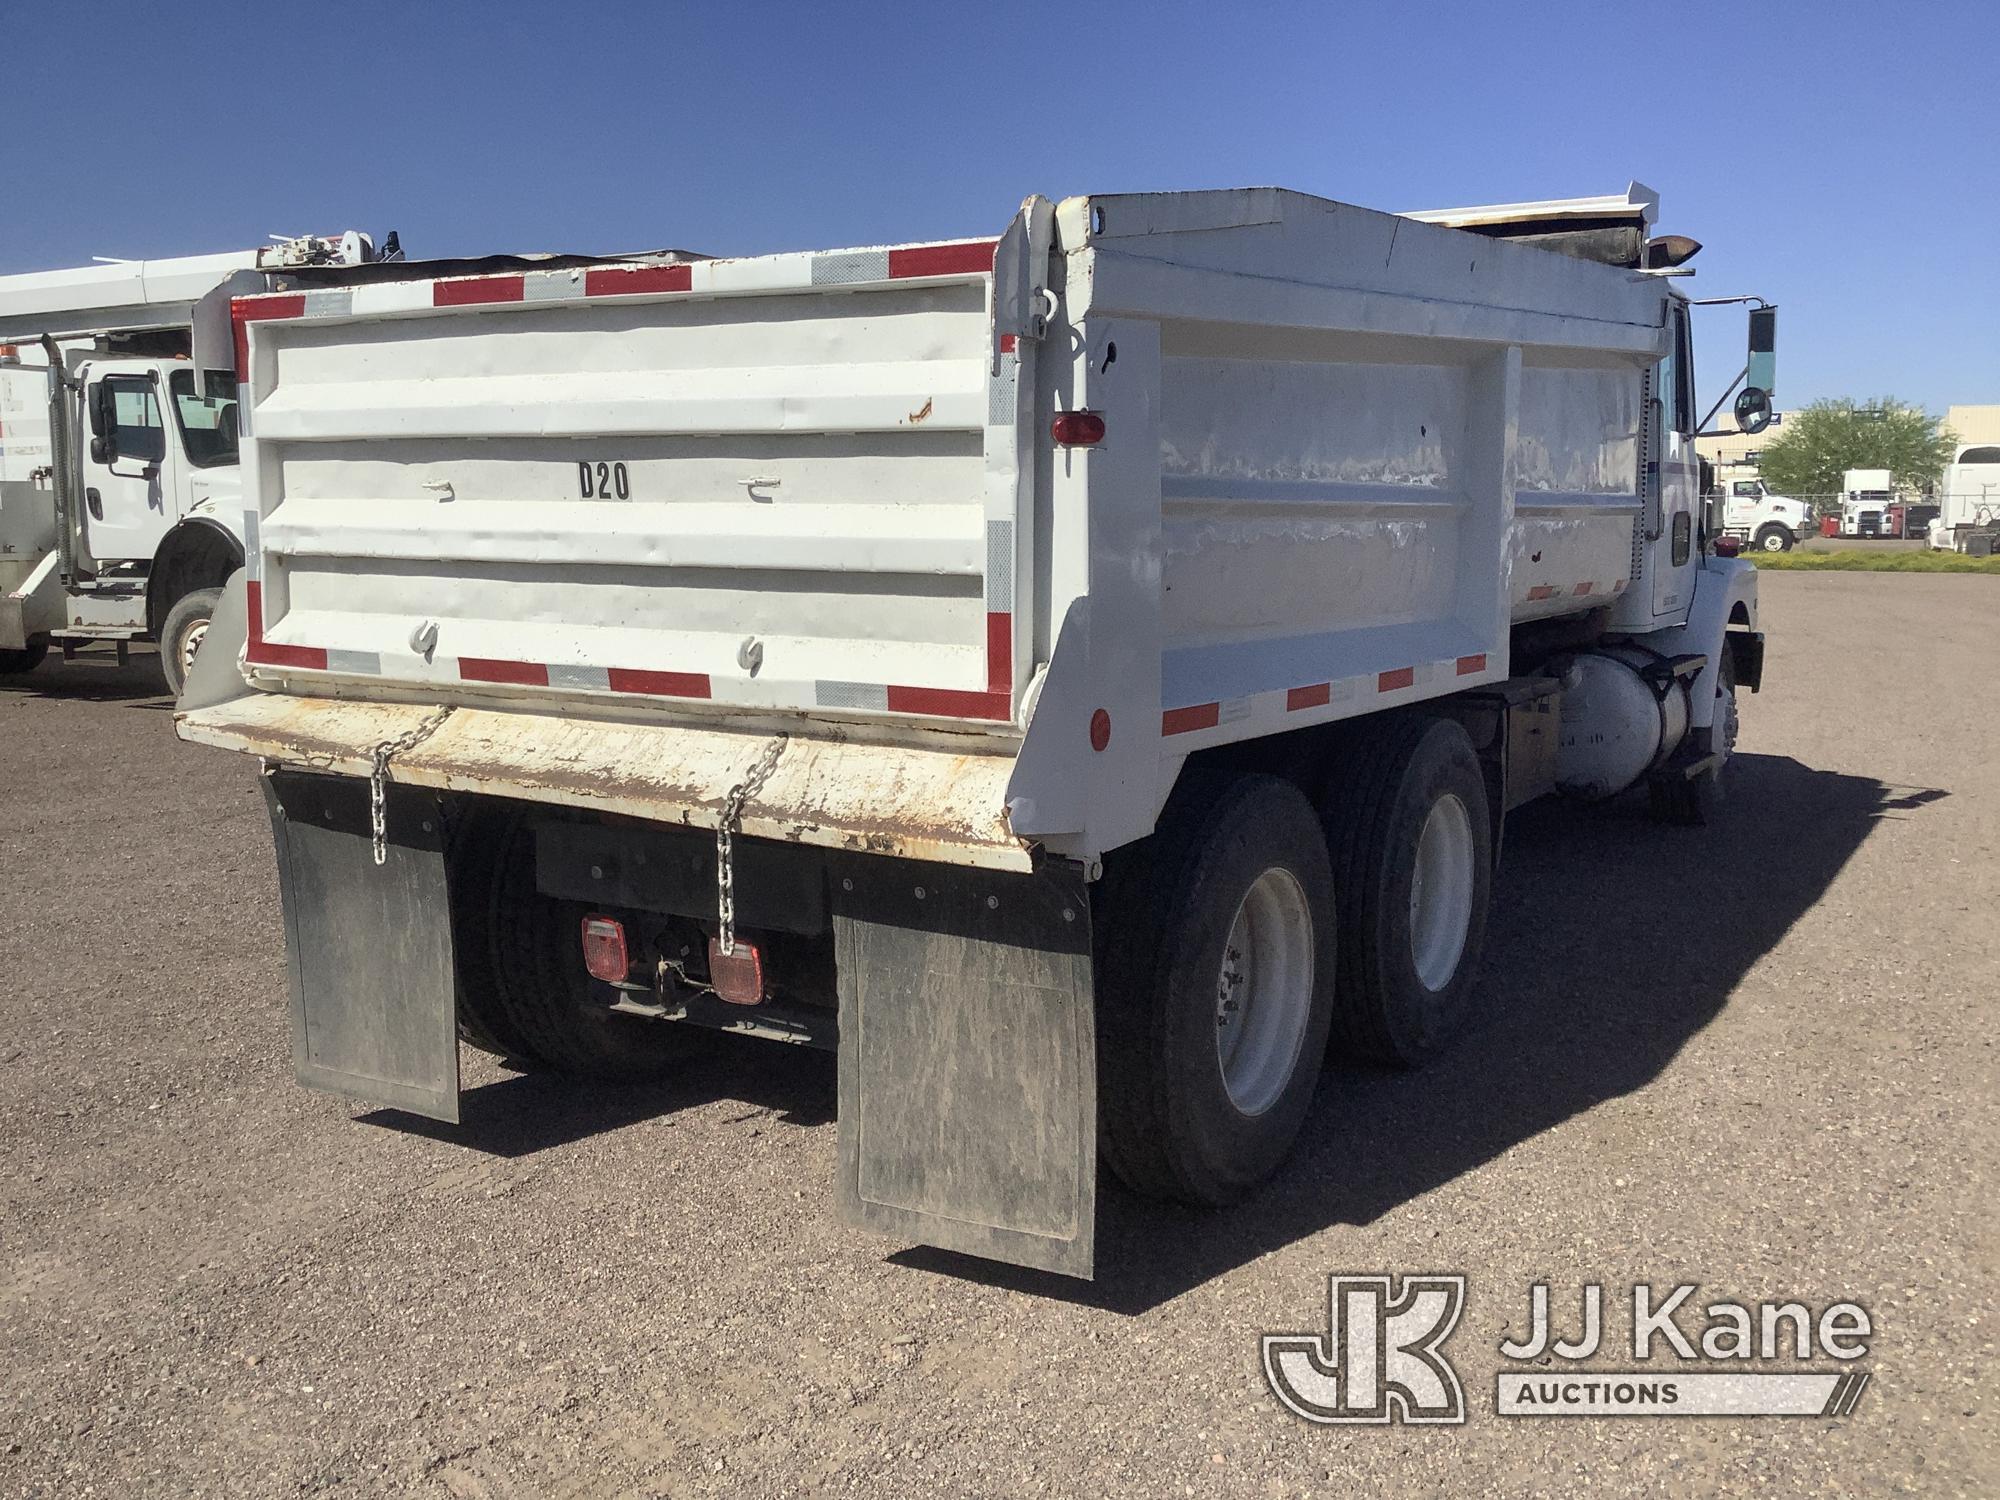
(1693, 802)
(1214, 989)
(1412, 840)
(1774, 538)
(25, 658)
(182, 633)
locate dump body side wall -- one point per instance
(1365, 449)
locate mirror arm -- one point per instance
(1703, 430)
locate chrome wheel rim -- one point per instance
(1441, 890)
(1263, 992)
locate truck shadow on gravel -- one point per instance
(93, 676)
(523, 1113)
(1612, 941)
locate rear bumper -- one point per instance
(926, 804)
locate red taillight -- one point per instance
(1728, 546)
(738, 976)
(604, 953)
(1078, 429)
(1100, 730)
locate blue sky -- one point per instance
(1840, 159)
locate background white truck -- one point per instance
(1768, 522)
(120, 508)
(1968, 517)
(1074, 675)
(1865, 498)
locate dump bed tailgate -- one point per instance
(790, 484)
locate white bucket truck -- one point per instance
(120, 505)
(1075, 675)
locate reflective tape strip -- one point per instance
(999, 565)
(1467, 665)
(580, 679)
(1195, 716)
(630, 281)
(846, 267)
(243, 311)
(518, 673)
(948, 703)
(1401, 677)
(851, 695)
(260, 652)
(1001, 391)
(562, 286)
(999, 653)
(1542, 591)
(473, 290)
(971, 259)
(660, 684)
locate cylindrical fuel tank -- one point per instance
(1617, 722)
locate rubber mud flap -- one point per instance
(968, 1059)
(368, 946)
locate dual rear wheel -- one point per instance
(1252, 928)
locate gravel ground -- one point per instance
(1758, 1057)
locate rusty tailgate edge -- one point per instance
(916, 803)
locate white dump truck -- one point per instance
(1075, 674)
(120, 508)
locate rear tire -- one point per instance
(181, 635)
(26, 658)
(1214, 989)
(1412, 841)
(523, 991)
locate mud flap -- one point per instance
(368, 947)
(968, 1059)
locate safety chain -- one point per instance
(725, 853)
(378, 777)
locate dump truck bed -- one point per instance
(818, 494)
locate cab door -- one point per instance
(1676, 550)
(1745, 496)
(128, 464)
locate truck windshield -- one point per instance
(207, 423)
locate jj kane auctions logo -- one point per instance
(1382, 1357)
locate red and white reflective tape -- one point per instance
(1542, 591)
(956, 260)
(1334, 698)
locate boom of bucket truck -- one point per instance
(1073, 675)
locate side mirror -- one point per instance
(104, 450)
(102, 418)
(1762, 371)
(1753, 409)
